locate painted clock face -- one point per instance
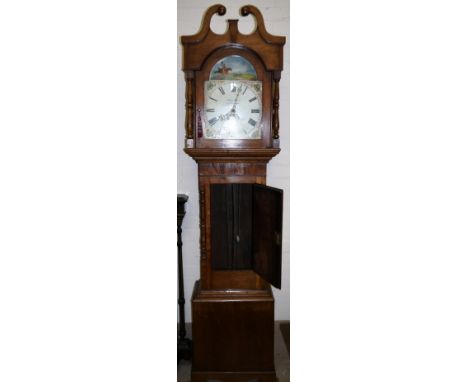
(233, 100)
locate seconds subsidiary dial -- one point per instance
(233, 109)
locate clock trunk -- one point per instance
(246, 221)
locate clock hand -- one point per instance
(233, 110)
(224, 117)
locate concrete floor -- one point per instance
(281, 359)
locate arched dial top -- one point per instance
(233, 67)
(233, 100)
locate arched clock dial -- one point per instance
(233, 109)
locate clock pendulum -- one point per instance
(232, 132)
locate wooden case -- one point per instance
(232, 303)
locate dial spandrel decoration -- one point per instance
(233, 101)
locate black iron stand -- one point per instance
(184, 345)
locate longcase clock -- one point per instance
(232, 132)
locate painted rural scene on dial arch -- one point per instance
(233, 68)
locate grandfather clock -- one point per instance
(232, 132)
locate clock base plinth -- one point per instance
(233, 335)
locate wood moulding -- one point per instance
(215, 169)
(201, 154)
(200, 294)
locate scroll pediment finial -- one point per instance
(218, 9)
(255, 12)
